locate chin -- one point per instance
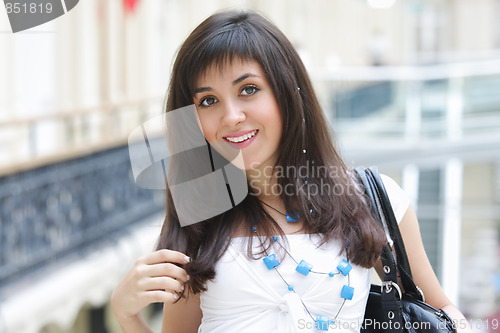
(246, 166)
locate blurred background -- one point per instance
(412, 86)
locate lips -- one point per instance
(239, 137)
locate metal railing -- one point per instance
(66, 208)
(71, 133)
(74, 197)
(405, 109)
(418, 102)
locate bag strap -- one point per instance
(391, 222)
(382, 209)
(387, 254)
(389, 291)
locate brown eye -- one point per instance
(207, 102)
(249, 90)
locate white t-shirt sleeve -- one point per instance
(398, 198)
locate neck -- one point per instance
(264, 184)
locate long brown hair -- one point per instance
(340, 213)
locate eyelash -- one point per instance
(204, 99)
(256, 90)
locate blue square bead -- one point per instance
(304, 267)
(322, 323)
(347, 292)
(344, 267)
(271, 261)
(292, 216)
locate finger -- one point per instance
(163, 283)
(167, 269)
(165, 255)
(159, 296)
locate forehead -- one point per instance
(228, 70)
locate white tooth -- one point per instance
(243, 137)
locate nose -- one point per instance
(233, 114)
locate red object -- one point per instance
(130, 5)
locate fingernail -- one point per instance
(182, 288)
(176, 296)
(188, 277)
(187, 259)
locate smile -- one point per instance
(242, 138)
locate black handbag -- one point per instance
(388, 309)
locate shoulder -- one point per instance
(398, 198)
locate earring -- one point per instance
(303, 134)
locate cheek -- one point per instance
(275, 121)
(208, 127)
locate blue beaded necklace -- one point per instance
(291, 216)
(303, 267)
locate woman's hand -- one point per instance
(153, 278)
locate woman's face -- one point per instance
(238, 111)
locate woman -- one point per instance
(298, 249)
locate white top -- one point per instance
(247, 297)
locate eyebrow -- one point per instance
(235, 82)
